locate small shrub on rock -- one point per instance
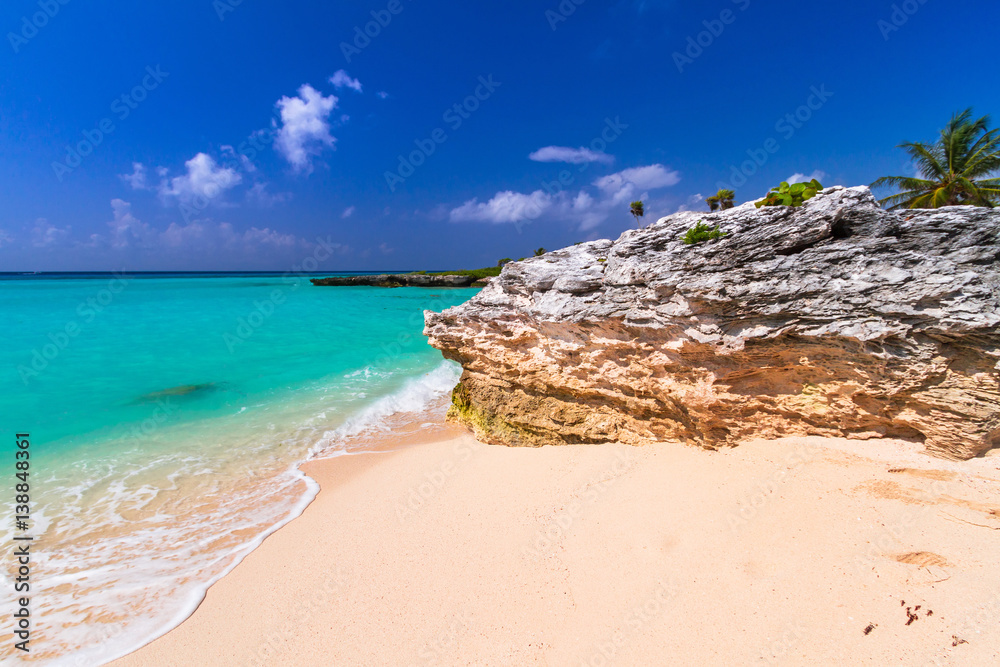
(791, 195)
(702, 232)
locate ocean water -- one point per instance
(167, 416)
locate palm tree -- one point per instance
(722, 199)
(539, 252)
(952, 168)
(637, 209)
(726, 198)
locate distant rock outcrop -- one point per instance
(395, 280)
(837, 318)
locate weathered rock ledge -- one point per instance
(395, 280)
(837, 318)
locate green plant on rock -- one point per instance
(713, 203)
(540, 252)
(791, 195)
(702, 232)
(504, 261)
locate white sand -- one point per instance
(456, 553)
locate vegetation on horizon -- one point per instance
(952, 168)
(478, 274)
(791, 195)
(702, 232)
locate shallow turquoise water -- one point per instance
(166, 417)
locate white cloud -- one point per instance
(587, 211)
(206, 234)
(385, 249)
(692, 201)
(571, 155)
(348, 212)
(802, 178)
(204, 179)
(305, 127)
(267, 237)
(504, 207)
(137, 179)
(5, 238)
(125, 227)
(240, 160)
(582, 208)
(517, 208)
(382, 95)
(652, 177)
(342, 79)
(43, 234)
(258, 194)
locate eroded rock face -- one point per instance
(836, 318)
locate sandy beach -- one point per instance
(798, 551)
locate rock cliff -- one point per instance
(837, 318)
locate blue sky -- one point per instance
(234, 135)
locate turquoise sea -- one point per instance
(167, 416)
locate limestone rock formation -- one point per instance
(837, 318)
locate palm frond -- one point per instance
(930, 162)
(908, 182)
(900, 200)
(985, 155)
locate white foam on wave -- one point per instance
(413, 397)
(155, 628)
(158, 587)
